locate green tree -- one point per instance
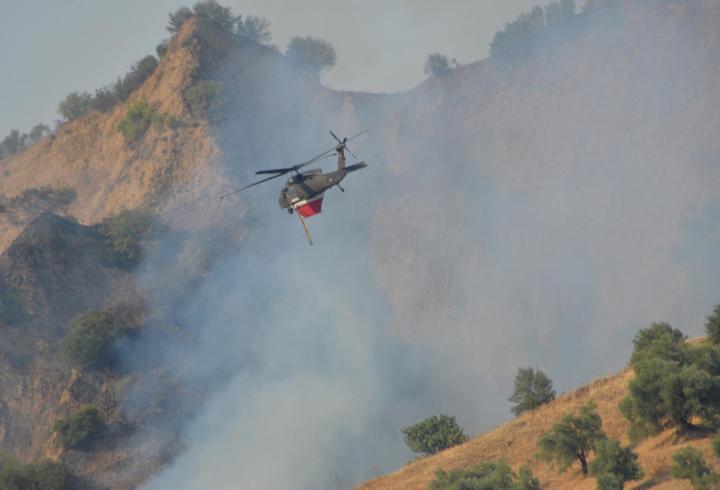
(434, 434)
(518, 39)
(220, 17)
(532, 389)
(138, 118)
(572, 439)
(139, 72)
(559, 12)
(659, 340)
(75, 105)
(712, 326)
(489, 475)
(38, 132)
(614, 465)
(311, 53)
(79, 428)
(438, 64)
(14, 142)
(256, 29)
(178, 18)
(689, 464)
(129, 234)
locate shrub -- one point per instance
(128, 234)
(138, 118)
(139, 72)
(434, 434)
(75, 105)
(689, 464)
(614, 465)
(44, 475)
(11, 309)
(311, 53)
(712, 326)
(438, 64)
(255, 29)
(489, 475)
(92, 338)
(161, 48)
(206, 98)
(532, 389)
(572, 439)
(80, 428)
(104, 99)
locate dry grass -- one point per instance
(516, 442)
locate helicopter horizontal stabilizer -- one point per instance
(356, 166)
(309, 208)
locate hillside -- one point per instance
(516, 442)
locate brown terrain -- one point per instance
(591, 94)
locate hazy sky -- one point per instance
(49, 48)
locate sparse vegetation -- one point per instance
(434, 434)
(43, 475)
(255, 29)
(489, 475)
(206, 98)
(532, 389)
(311, 53)
(80, 428)
(92, 338)
(614, 465)
(35, 201)
(129, 234)
(138, 118)
(689, 464)
(572, 439)
(439, 64)
(11, 309)
(75, 105)
(15, 142)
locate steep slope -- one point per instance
(516, 441)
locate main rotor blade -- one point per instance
(250, 185)
(359, 134)
(336, 138)
(275, 171)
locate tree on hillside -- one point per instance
(13, 143)
(434, 434)
(38, 132)
(75, 105)
(220, 17)
(614, 465)
(43, 475)
(129, 234)
(178, 18)
(689, 464)
(518, 39)
(256, 29)
(659, 340)
(438, 64)
(139, 72)
(712, 326)
(79, 428)
(312, 53)
(559, 12)
(532, 389)
(572, 439)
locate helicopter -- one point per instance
(303, 192)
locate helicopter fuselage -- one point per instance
(306, 186)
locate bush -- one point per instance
(80, 428)
(489, 475)
(205, 98)
(44, 475)
(75, 105)
(712, 326)
(138, 118)
(434, 434)
(161, 48)
(532, 389)
(572, 439)
(91, 340)
(438, 64)
(11, 309)
(689, 464)
(614, 465)
(139, 72)
(128, 235)
(311, 53)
